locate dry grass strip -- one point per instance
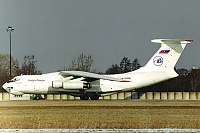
(65, 114)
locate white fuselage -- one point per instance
(42, 84)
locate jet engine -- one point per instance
(57, 84)
(71, 85)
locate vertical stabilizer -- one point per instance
(168, 54)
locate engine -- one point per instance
(57, 84)
(69, 85)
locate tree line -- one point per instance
(182, 83)
(84, 63)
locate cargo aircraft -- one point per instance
(91, 86)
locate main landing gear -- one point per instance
(85, 97)
(38, 97)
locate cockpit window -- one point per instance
(14, 79)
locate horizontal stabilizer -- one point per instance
(172, 41)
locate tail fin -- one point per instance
(168, 54)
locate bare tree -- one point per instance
(125, 65)
(82, 63)
(29, 66)
(5, 67)
(114, 69)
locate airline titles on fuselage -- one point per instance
(36, 80)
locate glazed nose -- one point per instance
(6, 87)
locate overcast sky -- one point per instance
(55, 31)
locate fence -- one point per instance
(118, 96)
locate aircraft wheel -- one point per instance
(84, 97)
(94, 97)
(38, 97)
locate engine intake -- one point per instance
(57, 84)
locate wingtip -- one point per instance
(190, 40)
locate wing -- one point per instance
(87, 76)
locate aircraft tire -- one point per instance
(94, 97)
(38, 97)
(84, 97)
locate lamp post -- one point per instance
(10, 29)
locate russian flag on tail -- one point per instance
(164, 52)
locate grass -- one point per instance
(99, 114)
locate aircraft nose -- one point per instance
(5, 87)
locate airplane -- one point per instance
(91, 86)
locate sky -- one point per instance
(57, 31)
